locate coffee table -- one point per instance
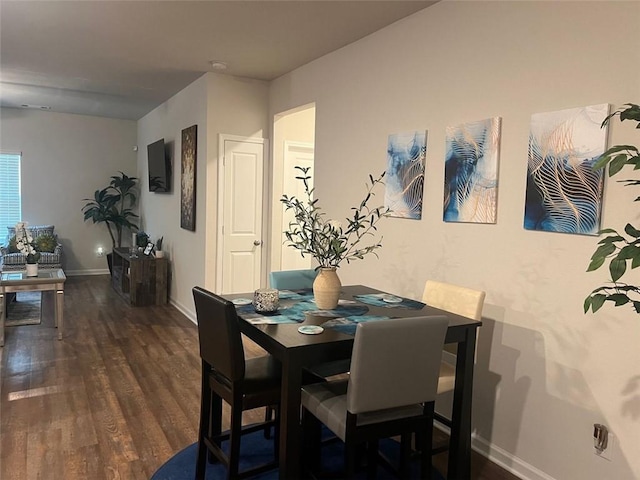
(47, 280)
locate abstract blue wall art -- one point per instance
(406, 153)
(471, 171)
(564, 194)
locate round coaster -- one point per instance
(241, 301)
(310, 329)
(391, 299)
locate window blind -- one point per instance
(10, 205)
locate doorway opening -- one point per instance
(293, 145)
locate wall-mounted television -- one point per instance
(159, 167)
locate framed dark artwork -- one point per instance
(188, 178)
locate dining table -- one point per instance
(279, 334)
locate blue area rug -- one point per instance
(256, 450)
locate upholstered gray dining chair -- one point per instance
(292, 279)
(391, 391)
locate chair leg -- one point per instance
(276, 434)
(405, 454)
(417, 438)
(204, 429)
(215, 424)
(235, 433)
(201, 462)
(372, 459)
(350, 453)
(268, 415)
(426, 462)
(311, 435)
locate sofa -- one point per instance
(45, 238)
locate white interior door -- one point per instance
(241, 227)
(301, 155)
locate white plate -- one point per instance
(391, 299)
(310, 329)
(241, 301)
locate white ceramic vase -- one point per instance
(326, 288)
(32, 269)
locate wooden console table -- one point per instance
(140, 280)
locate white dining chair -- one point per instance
(461, 301)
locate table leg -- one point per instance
(2, 317)
(290, 430)
(460, 443)
(59, 312)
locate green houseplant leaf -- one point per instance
(326, 240)
(617, 249)
(113, 206)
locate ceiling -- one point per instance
(122, 59)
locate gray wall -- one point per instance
(545, 371)
(65, 158)
(217, 104)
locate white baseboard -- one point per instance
(191, 315)
(508, 461)
(502, 458)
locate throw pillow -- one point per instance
(12, 245)
(46, 243)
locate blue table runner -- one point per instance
(344, 318)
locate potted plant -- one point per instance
(26, 245)
(158, 247)
(620, 249)
(326, 240)
(113, 206)
(142, 238)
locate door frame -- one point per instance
(266, 230)
(291, 147)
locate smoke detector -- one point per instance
(217, 65)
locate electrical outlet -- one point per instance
(100, 252)
(609, 453)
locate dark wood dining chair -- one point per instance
(461, 301)
(226, 375)
(391, 391)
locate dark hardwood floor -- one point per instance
(116, 398)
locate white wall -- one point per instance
(546, 372)
(160, 212)
(65, 158)
(295, 126)
(236, 106)
(217, 104)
